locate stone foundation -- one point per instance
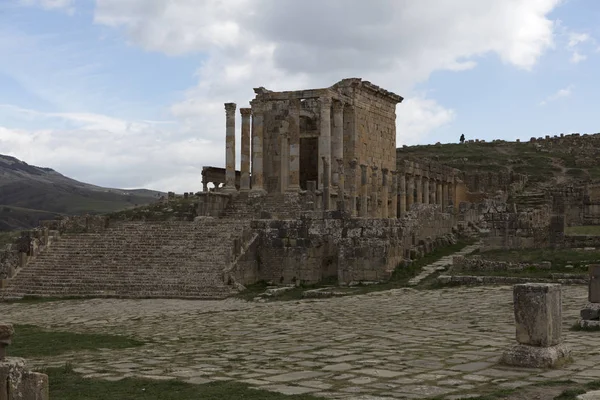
(536, 357)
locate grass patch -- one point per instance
(589, 230)
(576, 327)
(32, 341)
(570, 394)
(558, 257)
(68, 385)
(8, 238)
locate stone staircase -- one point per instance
(531, 200)
(135, 260)
(241, 208)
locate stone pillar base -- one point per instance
(257, 192)
(536, 357)
(591, 324)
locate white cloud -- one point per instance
(576, 38)
(562, 93)
(288, 45)
(418, 117)
(67, 5)
(577, 57)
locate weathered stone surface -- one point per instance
(32, 386)
(591, 311)
(536, 357)
(538, 314)
(594, 289)
(6, 332)
(593, 395)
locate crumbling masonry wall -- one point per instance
(311, 250)
(516, 230)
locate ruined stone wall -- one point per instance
(375, 130)
(479, 263)
(78, 224)
(312, 248)
(212, 204)
(491, 182)
(507, 230)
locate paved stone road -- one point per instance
(442, 264)
(397, 344)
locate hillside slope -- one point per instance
(572, 159)
(29, 193)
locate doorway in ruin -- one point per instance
(309, 160)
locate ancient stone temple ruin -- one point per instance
(342, 138)
(320, 195)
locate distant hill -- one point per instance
(556, 161)
(29, 194)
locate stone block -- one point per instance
(538, 314)
(591, 311)
(32, 386)
(594, 286)
(536, 357)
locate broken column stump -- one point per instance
(16, 382)
(538, 318)
(590, 314)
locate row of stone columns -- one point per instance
(331, 148)
(424, 190)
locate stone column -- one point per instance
(326, 185)
(337, 138)
(294, 130)
(363, 191)
(410, 191)
(384, 193)
(426, 190)
(341, 199)
(538, 318)
(444, 195)
(230, 148)
(353, 193)
(284, 161)
(374, 192)
(402, 193)
(245, 164)
(324, 138)
(432, 191)
(394, 202)
(258, 177)
(452, 193)
(438, 194)
(419, 183)
(204, 186)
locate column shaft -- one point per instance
(284, 161)
(257, 148)
(438, 195)
(402, 193)
(374, 193)
(245, 156)
(324, 138)
(326, 185)
(294, 129)
(230, 148)
(432, 191)
(353, 193)
(410, 192)
(363, 191)
(419, 184)
(337, 137)
(445, 195)
(394, 202)
(425, 190)
(384, 193)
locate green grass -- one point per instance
(576, 327)
(558, 257)
(8, 238)
(570, 394)
(590, 230)
(68, 385)
(31, 341)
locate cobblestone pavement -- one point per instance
(401, 343)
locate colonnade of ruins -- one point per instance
(425, 183)
(368, 191)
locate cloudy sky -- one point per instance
(130, 93)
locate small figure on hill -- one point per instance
(462, 138)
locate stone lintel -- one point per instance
(536, 357)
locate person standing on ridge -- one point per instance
(462, 138)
